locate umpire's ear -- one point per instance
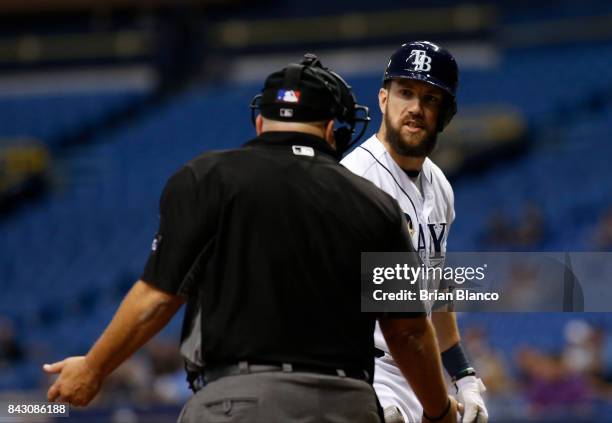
(258, 125)
(329, 134)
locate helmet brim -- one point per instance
(416, 76)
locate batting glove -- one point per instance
(469, 391)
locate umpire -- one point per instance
(264, 244)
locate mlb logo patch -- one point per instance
(288, 96)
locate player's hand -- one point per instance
(451, 416)
(77, 383)
(469, 393)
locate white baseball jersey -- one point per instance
(429, 212)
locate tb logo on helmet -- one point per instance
(422, 62)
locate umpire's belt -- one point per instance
(244, 367)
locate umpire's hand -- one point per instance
(77, 383)
(452, 415)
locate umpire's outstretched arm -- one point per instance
(144, 311)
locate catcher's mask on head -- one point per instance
(430, 63)
(309, 92)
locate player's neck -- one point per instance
(407, 163)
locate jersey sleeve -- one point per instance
(179, 238)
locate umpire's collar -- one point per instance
(280, 138)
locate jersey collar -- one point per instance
(282, 138)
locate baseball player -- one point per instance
(417, 100)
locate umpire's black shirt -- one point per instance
(269, 238)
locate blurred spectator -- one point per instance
(583, 350)
(170, 384)
(131, 383)
(522, 280)
(11, 351)
(488, 361)
(172, 388)
(154, 375)
(589, 350)
(602, 239)
(530, 231)
(503, 232)
(549, 386)
(498, 230)
(165, 357)
(606, 358)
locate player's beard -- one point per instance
(406, 147)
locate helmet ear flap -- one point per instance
(447, 113)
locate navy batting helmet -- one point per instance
(430, 63)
